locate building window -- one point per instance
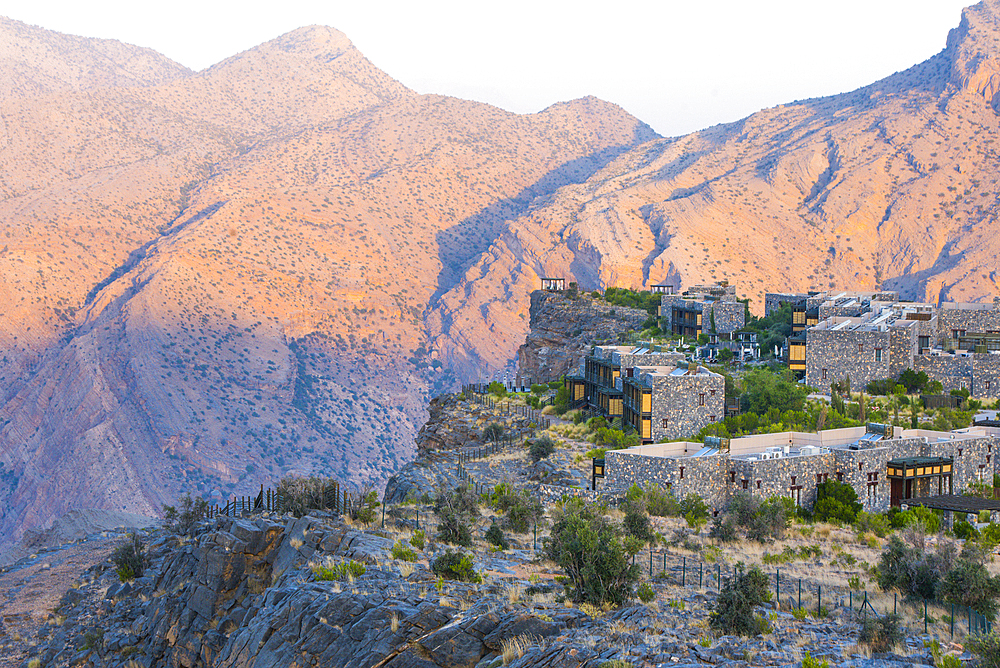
(664, 423)
(793, 481)
(701, 399)
(878, 354)
(987, 386)
(745, 481)
(819, 478)
(711, 418)
(732, 476)
(711, 393)
(840, 476)
(861, 347)
(682, 471)
(758, 484)
(861, 466)
(824, 374)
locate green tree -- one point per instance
(764, 390)
(836, 501)
(734, 613)
(493, 433)
(590, 550)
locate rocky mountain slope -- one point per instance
(892, 185)
(217, 278)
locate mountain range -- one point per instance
(218, 278)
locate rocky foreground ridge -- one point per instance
(241, 592)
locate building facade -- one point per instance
(672, 402)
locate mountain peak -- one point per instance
(317, 41)
(974, 50)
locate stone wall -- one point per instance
(838, 352)
(677, 399)
(971, 320)
(773, 477)
(952, 371)
(902, 346)
(774, 300)
(729, 317)
(985, 376)
(700, 475)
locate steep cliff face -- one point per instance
(564, 329)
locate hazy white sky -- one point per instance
(679, 65)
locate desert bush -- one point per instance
(403, 552)
(836, 501)
(986, 648)
(989, 536)
(541, 448)
(520, 507)
(636, 522)
(418, 539)
(494, 536)
(363, 509)
(590, 550)
(455, 510)
(497, 389)
(645, 592)
(914, 569)
(881, 634)
(723, 529)
(969, 583)
(186, 514)
(927, 519)
(733, 613)
(875, 523)
(694, 505)
(493, 433)
(965, 530)
(300, 495)
(341, 571)
(661, 503)
(456, 566)
(129, 557)
(808, 661)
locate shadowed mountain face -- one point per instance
(892, 185)
(216, 279)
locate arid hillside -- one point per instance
(214, 279)
(892, 185)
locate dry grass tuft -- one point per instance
(514, 648)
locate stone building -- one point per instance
(885, 465)
(703, 309)
(663, 402)
(603, 368)
(863, 349)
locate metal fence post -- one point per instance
(819, 599)
(777, 588)
(701, 568)
(951, 625)
(800, 593)
(925, 615)
(650, 562)
(684, 571)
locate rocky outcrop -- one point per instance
(564, 328)
(455, 423)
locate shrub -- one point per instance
(733, 613)
(493, 433)
(913, 570)
(300, 495)
(636, 522)
(590, 550)
(541, 448)
(494, 535)
(965, 530)
(522, 510)
(968, 583)
(456, 509)
(661, 503)
(417, 540)
(723, 529)
(694, 505)
(129, 557)
(402, 551)
(363, 509)
(926, 519)
(808, 661)
(645, 592)
(182, 518)
(455, 566)
(986, 647)
(799, 613)
(989, 536)
(875, 523)
(342, 571)
(497, 389)
(881, 634)
(836, 501)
